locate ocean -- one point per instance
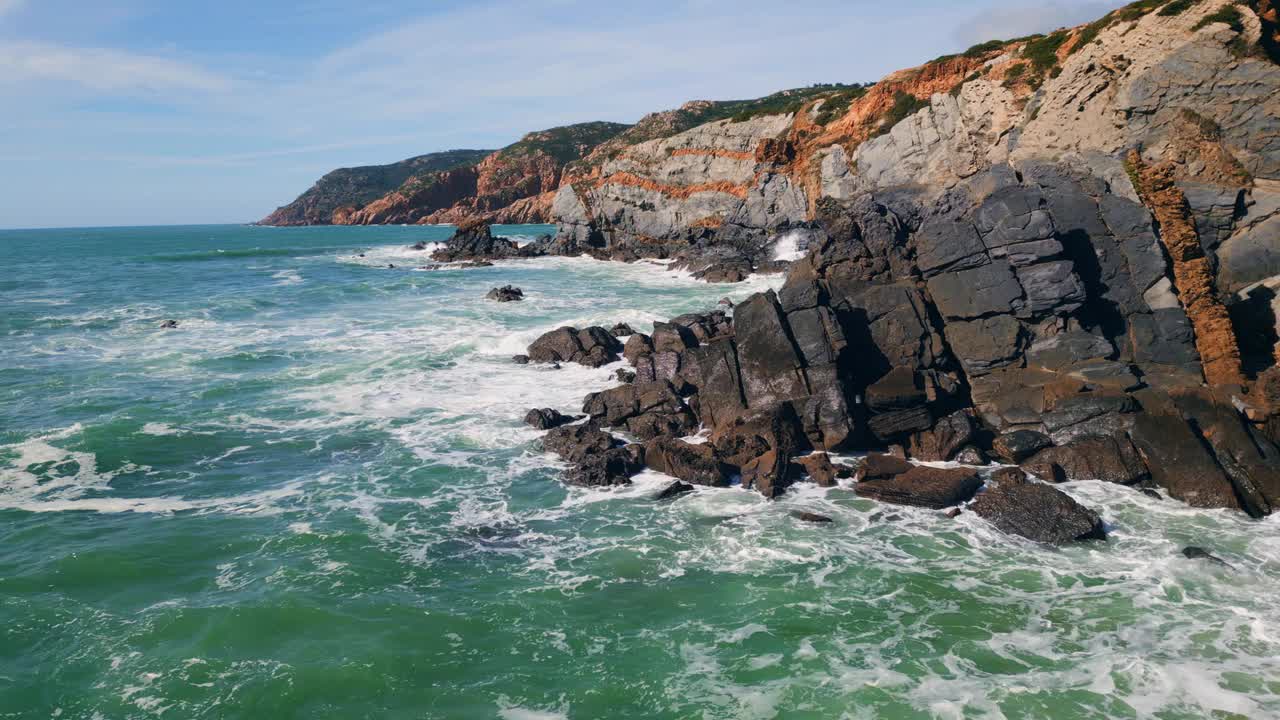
(315, 498)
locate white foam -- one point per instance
(791, 246)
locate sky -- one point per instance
(155, 112)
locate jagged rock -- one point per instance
(1018, 445)
(970, 455)
(753, 434)
(696, 464)
(624, 375)
(770, 474)
(1178, 460)
(169, 324)
(506, 293)
(621, 330)
(769, 364)
(592, 347)
(900, 389)
(1109, 458)
(818, 467)
(923, 487)
(1249, 460)
(575, 443)
(945, 439)
(712, 370)
(1037, 511)
(878, 466)
(474, 241)
(548, 418)
(810, 517)
(647, 410)
(612, 467)
(674, 490)
(637, 345)
(520, 359)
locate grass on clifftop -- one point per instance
(567, 143)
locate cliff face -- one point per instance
(1062, 250)
(346, 188)
(512, 185)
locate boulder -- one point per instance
(577, 442)
(506, 293)
(548, 418)
(621, 330)
(1178, 461)
(637, 344)
(1037, 512)
(696, 464)
(1191, 552)
(923, 487)
(648, 410)
(878, 466)
(593, 347)
(520, 359)
(1018, 445)
(612, 467)
(945, 439)
(770, 474)
(767, 360)
(819, 468)
(1109, 458)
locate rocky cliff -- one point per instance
(346, 188)
(1060, 252)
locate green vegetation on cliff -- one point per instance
(354, 187)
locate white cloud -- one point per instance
(101, 70)
(1011, 21)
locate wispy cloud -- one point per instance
(102, 70)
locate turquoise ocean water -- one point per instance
(315, 498)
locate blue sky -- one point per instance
(119, 112)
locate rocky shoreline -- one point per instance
(952, 331)
(1043, 260)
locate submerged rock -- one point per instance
(674, 490)
(805, 516)
(1191, 552)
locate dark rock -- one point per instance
(637, 345)
(900, 389)
(625, 375)
(768, 362)
(1151, 493)
(674, 490)
(574, 443)
(1109, 458)
(648, 410)
(520, 359)
(986, 290)
(621, 330)
(923, 487)
(474, 241)
(712, 369)
(1178, 460)
(1192, 552)
(753, 434)
(810, 517)
(954, 513)
(986, 344)
(696, 464)
(970, 455)
(889, 425)
(592, 347)
(1038, 512)
(944, 439)
(169, 324)
(612, 467)
(506, 293)
(770, 474)
(818, 467)
(1069, 348)
(1018, 445)
(1250, 461)
(420, 245)
(878, 466)
(548, 418)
